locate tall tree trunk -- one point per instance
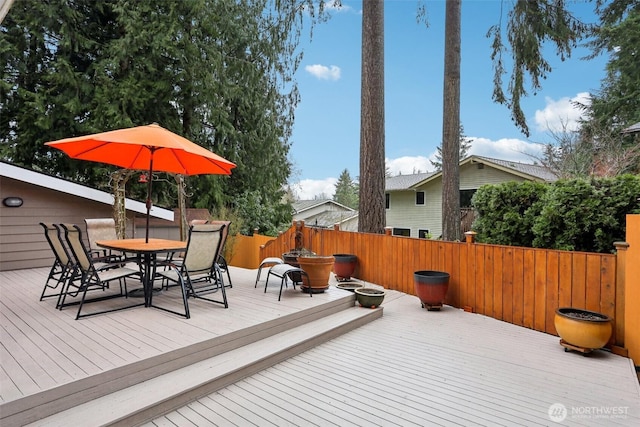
(451, 125)
(372, 169)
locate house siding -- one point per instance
(22, 241)
(471, 177)
(403, 212)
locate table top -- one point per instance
(139, 245)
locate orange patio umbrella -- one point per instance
(149, 147)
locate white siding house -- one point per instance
(414, 202)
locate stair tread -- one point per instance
(121, 404)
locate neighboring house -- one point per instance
(414, 202)
(325, 213)
(43, 198)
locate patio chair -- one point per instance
(89, 276)
(199, 269)
(222, 262)
(102, 229)
(62, 267)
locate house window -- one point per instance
(402, 232)
(465, 197)
(386, 200)
(419, 197)
(424, 234)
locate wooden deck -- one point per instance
(301, 361)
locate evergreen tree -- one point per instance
(346, 191)
(616, 105)
(465, 145)
(218, 72)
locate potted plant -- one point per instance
(370, 297)
(291, 258)
(582, 330)
(431, 287)
(318, 269)
(344, 266)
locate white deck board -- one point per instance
(430, 368)
(415, 367)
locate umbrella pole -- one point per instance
(149, 182)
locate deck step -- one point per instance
(147, 400)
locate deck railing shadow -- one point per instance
(522, 286)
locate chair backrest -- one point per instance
(197, 221)
(73, 236)
(52, 233)
(100, 229)
(203, 247)
(225, 233)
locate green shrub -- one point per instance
(577, 214)
(506, 212)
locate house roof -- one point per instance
(329, 218)
(632, 129)
(303, 205)
(529, 169)
(526, 170)
(404, 182)
(40, 179)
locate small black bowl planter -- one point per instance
(344, 266)
(431, 287)
(370, 298)
(582, 330)
(349, 285)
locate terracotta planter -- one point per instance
(582, 330)
(344, 266)
(370, 298)
(318, 268)
(431, 287)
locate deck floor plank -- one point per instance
(438, 368)
(430, 368)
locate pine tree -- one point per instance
(346, 191)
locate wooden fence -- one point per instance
(523, 286)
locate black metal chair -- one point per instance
(90, 277)
(222, 262)
(62, 268)
(199, 268)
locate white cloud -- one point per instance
(408, 165)
(512, 149)
(561, 114)
(323, 72)
(309, 189)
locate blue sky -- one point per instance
(326, 136)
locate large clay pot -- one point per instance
(584, 329)
(318, 269)
(344, 266)
(431, 287)
(370, 298)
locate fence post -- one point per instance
(621, 267)
(470, 236)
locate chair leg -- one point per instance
(282, 283)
